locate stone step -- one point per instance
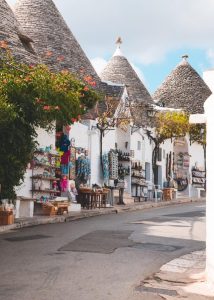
(127, 198)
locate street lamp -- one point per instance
(151, 112)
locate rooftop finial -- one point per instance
(118, 50)
(185, 57)
(119, 42)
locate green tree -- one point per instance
(167, 125)
(31, 97)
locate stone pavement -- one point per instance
(181, 278)
(72, 216)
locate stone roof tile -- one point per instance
(119, 70)
(53, 39)
(11, 32)
(184, 89)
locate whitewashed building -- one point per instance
(39, 24)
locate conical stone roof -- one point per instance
(53, 40)
(184, 89)
(12, 33)
(119, 70)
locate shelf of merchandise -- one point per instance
(44, 166)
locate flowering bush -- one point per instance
(33, 96)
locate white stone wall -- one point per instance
(79, 132)
(208, 77)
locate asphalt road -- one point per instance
(101, 258)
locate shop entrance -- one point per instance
(181, 160)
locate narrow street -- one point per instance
(100, 258)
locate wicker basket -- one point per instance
(6, 218)
(48, 210)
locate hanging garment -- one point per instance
(64, 143)
(64, 184)
(64, 169)
(83, 169)
(105, 160)
(65, 159)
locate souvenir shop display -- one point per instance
(44, 169)
(182, 183)
(72, 164)
(113, 165)
(64, 143)
(123, 156)
(105, 161)
(83, 169)
(198, 178)
(64, 147)
(123, 171)
(138, 180)
(181, 170)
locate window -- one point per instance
(26, 43)
(138, 145)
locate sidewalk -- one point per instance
(182, 278)
(41, 220)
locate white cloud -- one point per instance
(150, 29)
(99, 64)
(210, 56)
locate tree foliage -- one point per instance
(31, 97)
(167, 125)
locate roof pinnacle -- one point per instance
(185, 57)
(118, 50)
(119, 42)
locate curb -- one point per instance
(89, 214)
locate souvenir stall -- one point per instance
(181, 164)
(138, 180)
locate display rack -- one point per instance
(198, 178)
(44, 166)
(138, 181)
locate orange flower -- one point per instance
(46, 107)
(92, 83)
(49, 53)
(5, 81)
(27, 79)
(82, 70)
(65, 72)
(3, 44)
(39, 100)
(60, 58)
(86, 88)
(88, 78)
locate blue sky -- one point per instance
(155, 33)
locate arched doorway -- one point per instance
(181, 161)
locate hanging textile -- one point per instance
(83, 169)
(105, 160)
(113, 165)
